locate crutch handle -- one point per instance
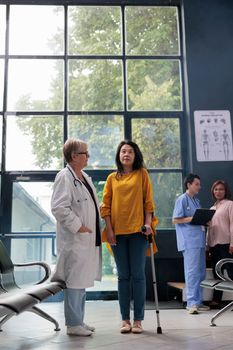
(143, 229)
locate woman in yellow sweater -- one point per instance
(127, 206)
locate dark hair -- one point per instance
(189, 179)
(226, 188)
(138, 161)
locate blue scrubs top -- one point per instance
(188, 236)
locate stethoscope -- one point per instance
(75, 180)
(194, 200)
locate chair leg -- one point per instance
(43, 314)
(220, 312)
(5, 319)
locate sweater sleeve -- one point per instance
(105, 209)
(148, 200)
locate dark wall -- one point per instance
(168, 266)
(208, 29)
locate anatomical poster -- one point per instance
(213, 136)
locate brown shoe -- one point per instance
(137, 328)
(126, 327)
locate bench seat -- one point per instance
(225, 284)
(15, 300)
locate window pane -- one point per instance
(1, 83)
(166, 188)
(35, 85)
(154, 85)
(95, 85)
(159, 141)
(94, 30)
(34, 143)
(109, 278)
(155, 32)
(36, 30)
(31, 207)
(102, 133)
(27, 250)
(2, 28)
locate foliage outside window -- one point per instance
(166, 188)
(95, 83)
(153, 85)
(155, 32)
(159, 140)
(94, 30)
(113, 71)
(102, 133)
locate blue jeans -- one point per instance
(194, 271)
(74, 306)
(130, 257)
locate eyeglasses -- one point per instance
(86, 153)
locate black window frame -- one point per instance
(9, 177)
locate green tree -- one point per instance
(95, 84)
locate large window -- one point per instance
(2, 28)
(99, 73)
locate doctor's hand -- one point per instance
(84, 229)
(111, 237)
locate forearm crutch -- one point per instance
(159, 329)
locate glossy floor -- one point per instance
(180, 331)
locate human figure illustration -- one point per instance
(216, 137)
(205, 139)
(225, 142)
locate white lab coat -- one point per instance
(79, 260)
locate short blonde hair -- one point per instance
(71, 146)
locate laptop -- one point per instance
(202, 216)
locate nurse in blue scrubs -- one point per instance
(191, 242)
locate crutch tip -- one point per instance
(159, 330)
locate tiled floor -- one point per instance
(180, 331)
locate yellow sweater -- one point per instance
(126, 199)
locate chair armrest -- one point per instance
(218, 268)
(45, 266)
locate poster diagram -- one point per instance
(213, 136)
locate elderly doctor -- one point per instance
(75, 206)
